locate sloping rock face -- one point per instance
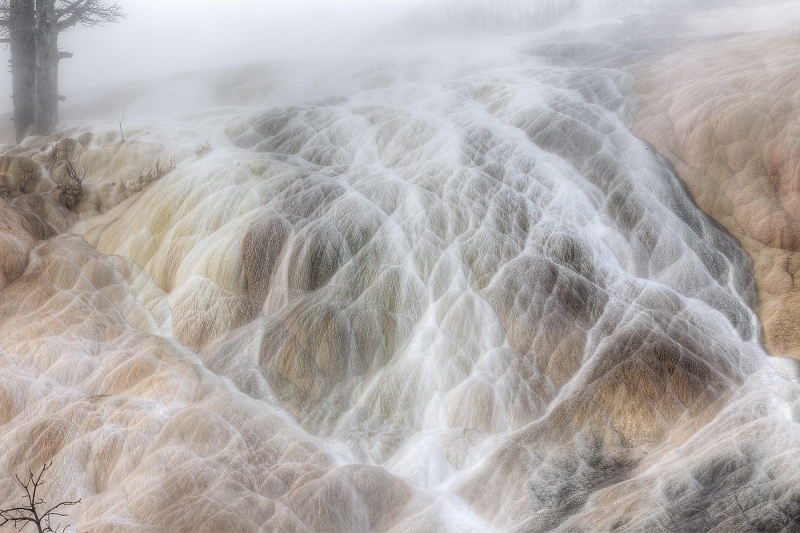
(134, 425)
(727, 116)
(459, 297)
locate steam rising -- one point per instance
(441, 287)
(444, 15)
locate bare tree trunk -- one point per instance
(22, 21)
(46, 116)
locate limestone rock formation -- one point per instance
(727, 115)
(460, 296)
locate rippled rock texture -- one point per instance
(459, 296)
(726, 116)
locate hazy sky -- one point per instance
(163, 36)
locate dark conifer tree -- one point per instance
(31, 28)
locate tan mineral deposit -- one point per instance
(529, 270)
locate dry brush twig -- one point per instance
(120, 125)
(72, 189)
(32, 510)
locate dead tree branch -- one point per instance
(31, 510)
(72, 189)
(120, 125)
(89, 13)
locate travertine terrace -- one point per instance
(529, 288)
(726, 116)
